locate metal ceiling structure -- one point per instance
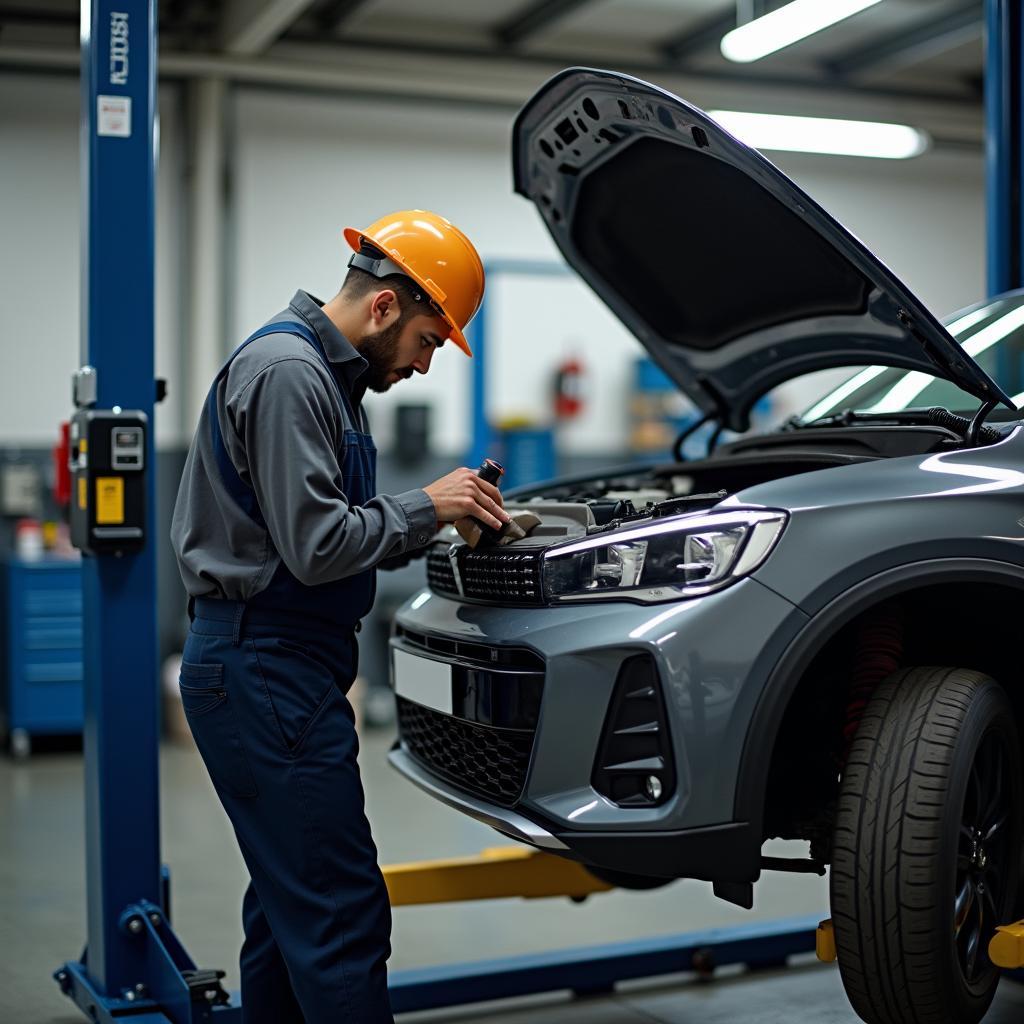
(922, 60)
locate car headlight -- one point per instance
(663, 559)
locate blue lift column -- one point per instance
(133, 965)
(118, 153)
(1004, 134)
(122, 855)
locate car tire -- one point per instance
(916, 895)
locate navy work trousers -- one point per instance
(266, 702)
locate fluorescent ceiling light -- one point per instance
(797, 20)
(823, 135)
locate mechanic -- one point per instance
(277, 532)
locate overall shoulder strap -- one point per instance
(241, 492)
(302, 330)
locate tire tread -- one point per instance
(889, 834)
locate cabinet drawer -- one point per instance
(56, 633)
(62, 600)
(43, 672)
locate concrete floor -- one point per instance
(42, 912)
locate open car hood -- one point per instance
(732, 278)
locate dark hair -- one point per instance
(412, 300)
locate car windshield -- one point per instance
(992, 333)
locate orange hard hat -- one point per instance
(434, 253)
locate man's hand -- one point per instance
(463, 493)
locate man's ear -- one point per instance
(384, 307)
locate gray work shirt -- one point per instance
(283, 424)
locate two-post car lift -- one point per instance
(134, 965)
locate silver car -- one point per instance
(812, 633)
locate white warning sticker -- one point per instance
(114, 116)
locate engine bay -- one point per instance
(590, 504)
(624, 500)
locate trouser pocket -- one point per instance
(211, 718)
(299, 680)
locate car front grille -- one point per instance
(487, 761)
(440, 577)
(500, 575)
(485, 655)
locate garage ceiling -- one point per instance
(917, 60)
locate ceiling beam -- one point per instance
(923, 41)
(335, 13)
(484, 78)
(251, 26)
(705, 35)
(33, 16)
(534, 17)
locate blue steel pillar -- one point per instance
(480, 445)
(1004, 132)
(119, 594)
(480, 336)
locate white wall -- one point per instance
(925, 217)
(305, 166)
(39, 256)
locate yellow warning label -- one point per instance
(109, 500)
(83, 494)
(83, 445)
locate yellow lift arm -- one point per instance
(504, 872)
(1007, 946)
(497, 873)
(1005, 950)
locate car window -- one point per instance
(991, 333)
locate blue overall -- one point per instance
(264, 686)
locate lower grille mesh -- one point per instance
(487, 761)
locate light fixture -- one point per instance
(823, 135)
(785, 26)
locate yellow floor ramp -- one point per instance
(497, 873)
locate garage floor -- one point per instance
(42, 912)
(797, 995)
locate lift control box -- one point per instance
(108, 480)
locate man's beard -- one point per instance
(379, 350)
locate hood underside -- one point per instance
(731, 277)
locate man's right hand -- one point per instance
(463, 493)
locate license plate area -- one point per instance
(490, 694)
(422, 680)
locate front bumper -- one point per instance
(713, 655)
(507, 822)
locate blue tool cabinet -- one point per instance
(41, 674)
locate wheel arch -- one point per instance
(789, 672)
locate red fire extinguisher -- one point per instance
(61, 469)
(568, 389)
